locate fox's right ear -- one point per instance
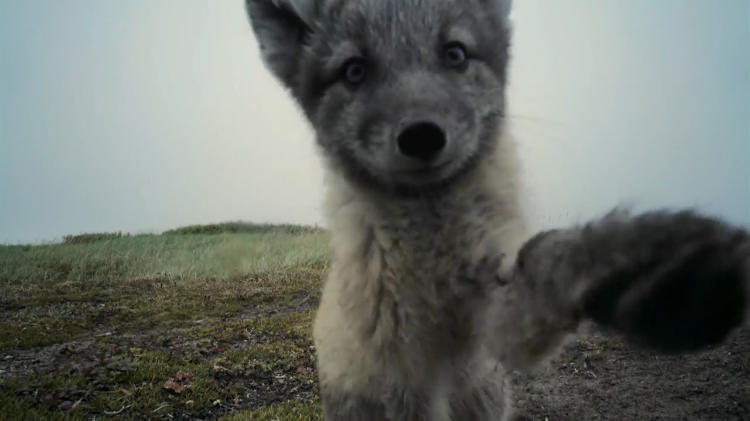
(281, 27)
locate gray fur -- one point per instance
(350, 407)
(674, 282)
(406, 78)
(425, 309)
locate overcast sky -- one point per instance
(142, 115)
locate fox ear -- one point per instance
(505, 8)
(281, 28)
(501, 7)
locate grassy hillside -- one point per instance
(213, 324)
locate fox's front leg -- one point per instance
(674, 282)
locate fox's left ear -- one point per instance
(280, 28)
(505, 8)
(501, 7)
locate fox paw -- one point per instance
(675, 282)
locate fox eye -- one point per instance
(455, 56)
(354, 71)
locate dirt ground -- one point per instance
(595, 378)
(600, 379)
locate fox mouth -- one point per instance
(427, 169)
(427, 174)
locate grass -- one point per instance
(214, 324)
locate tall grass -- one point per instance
(175, 256)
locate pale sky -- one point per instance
(143, 115)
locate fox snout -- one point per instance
(424, 143)
(421, 140)
(424, 149)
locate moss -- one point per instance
(224, 361)
(133, 381)
(292, 326)
(52, 299)
(16, 408)
(37, 333)
(137, 306)
(287, 411)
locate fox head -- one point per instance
(402, 95)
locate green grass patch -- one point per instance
(155, 326)
(165, 256)
(287, 411)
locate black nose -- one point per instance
(421, 140)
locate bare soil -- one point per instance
(600, 379)
(595, 378)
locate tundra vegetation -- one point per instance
(213, 322)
